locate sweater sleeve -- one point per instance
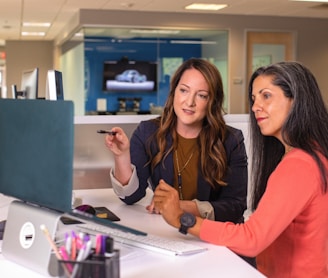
(290, 188)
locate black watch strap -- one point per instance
(183, 229)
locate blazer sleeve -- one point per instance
(139, 158)
(230, 201)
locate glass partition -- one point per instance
(144, 55)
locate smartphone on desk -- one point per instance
(105, 213)
(99, 212)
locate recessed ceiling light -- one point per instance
(208, 7)
(36, 24)
(37, 34)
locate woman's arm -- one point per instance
(119, 145)
(139, 158)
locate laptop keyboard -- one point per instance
(148, 242)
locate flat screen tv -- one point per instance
(127, 76)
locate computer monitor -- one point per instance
(36, 146)
(54, 85)
(29, 83)
(14, 91)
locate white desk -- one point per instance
(218, 261)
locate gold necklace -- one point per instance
(180, 171)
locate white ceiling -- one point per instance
(58, 12)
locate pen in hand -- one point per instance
(106, 131)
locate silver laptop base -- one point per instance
(25, 243)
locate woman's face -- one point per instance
(270, 107)
(190, 102)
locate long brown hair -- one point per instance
(212, 153)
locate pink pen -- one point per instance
(66, 257)
(98, 244)
(73, 246)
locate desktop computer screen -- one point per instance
(29, 83)
(36, 146)
(54, 85)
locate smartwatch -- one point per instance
(187, 220)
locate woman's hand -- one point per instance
(166, 202)
(118, 143)
(151, 208)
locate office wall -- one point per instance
(23, 55)
(311, 45)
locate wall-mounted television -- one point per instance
(130, 76)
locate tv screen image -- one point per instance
(130, 76)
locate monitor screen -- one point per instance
(140, 76)
(29, 83)
(36, 146)
(54, 85)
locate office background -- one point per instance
(311, 48)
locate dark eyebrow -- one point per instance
(184, 85)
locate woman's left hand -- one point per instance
(166, 202)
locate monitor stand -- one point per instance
(25, 243)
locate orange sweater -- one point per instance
(288, 232)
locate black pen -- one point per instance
(106, 131)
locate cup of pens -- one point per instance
(80, 259)
(95, 266)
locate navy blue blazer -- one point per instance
(229, 202)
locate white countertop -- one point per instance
(217, 261)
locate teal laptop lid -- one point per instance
(36, 151)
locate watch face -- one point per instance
(188, 220)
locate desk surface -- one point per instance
(217, 261)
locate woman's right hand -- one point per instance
(151, 208)
(119, 143)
